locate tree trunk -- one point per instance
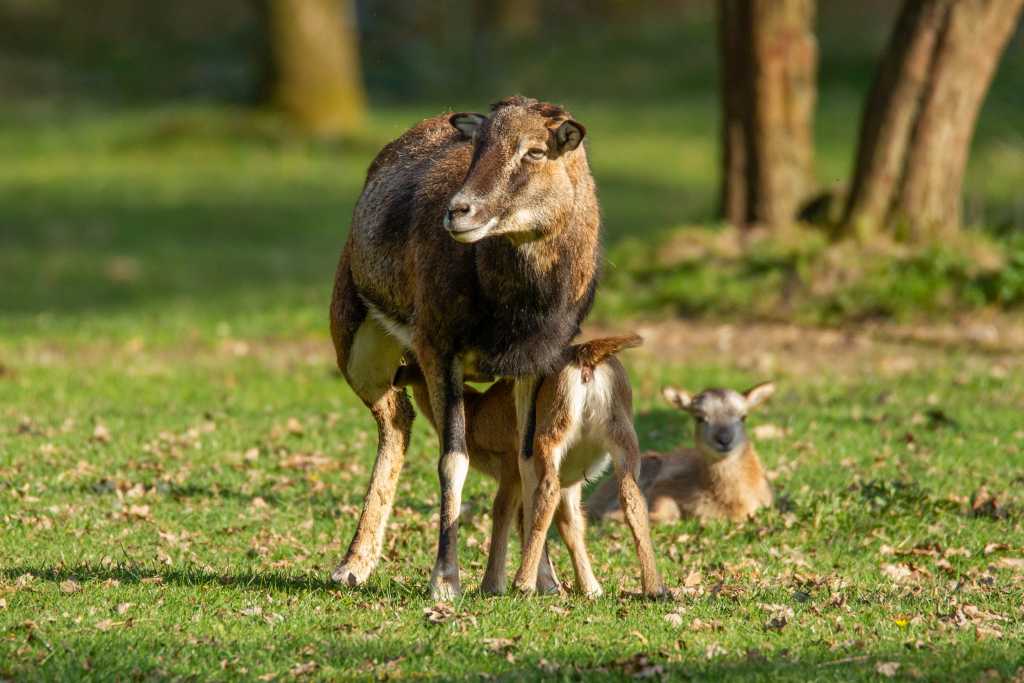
(316, 75)
(920, 117)
(517, 17)
(768, 70)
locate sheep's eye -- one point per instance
(536, 154)
(701, 420)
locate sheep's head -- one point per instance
(720, 416)
(521, 179)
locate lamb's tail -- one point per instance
(594, 352)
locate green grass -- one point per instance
(167, 551)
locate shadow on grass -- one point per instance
(192, 575)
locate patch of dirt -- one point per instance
(887, 349)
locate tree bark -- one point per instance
(920, 117)
(517, 17)
(316, 73)
(768, 71)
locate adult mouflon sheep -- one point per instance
(475, 244)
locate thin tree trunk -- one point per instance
(316, 64)
(769, 65)
(917, 126)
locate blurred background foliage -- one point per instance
(148, 175)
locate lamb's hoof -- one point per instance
(444, 588)
(524, 588)
(592, 593)
(352, 572)
(659, 593)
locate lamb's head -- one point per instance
(526, 160)
(720, 415)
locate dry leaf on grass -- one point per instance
(887, 669)
(107, 624)
(101, 434)
(674, 619)
(693, 579)
(438, 614)
(1015, 563)
(70, 586)
(767, 432)
(303, 668)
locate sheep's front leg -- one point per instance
(444, 384)
(626, 457)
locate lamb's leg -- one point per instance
(626, 456)
(443, 374)
(368, 356)
(503, 514)
(547, 578)
(572, 527)
(540, 499)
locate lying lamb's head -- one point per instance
(720, 415)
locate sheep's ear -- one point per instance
(678, 398)
(569, 135)
(467, 123)
(757, 395)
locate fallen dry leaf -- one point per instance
(1010, 563)
(101, 434)
(767, 432)
(123, 607)
(674, 618)
(887, 669)
(70, 586)
(303, 668)
(258, 503)
(107, 624)
(693, 579)
(438, 614)
(294, 426)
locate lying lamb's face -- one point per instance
(720, 415)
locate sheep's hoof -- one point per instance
(353, 571)
(492, 587)
(444, 587)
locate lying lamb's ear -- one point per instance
(679, 398)
(759, 394)
(569, 135)
(467, 123)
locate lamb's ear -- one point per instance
(569, 135)
(679, 398)
(758, 394)
(467, 123)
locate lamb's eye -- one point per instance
(536, 154)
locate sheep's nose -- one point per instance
(459, 208)
(724, 439)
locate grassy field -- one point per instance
(173, 509)
(181, 467)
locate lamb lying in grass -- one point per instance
(721, 478)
